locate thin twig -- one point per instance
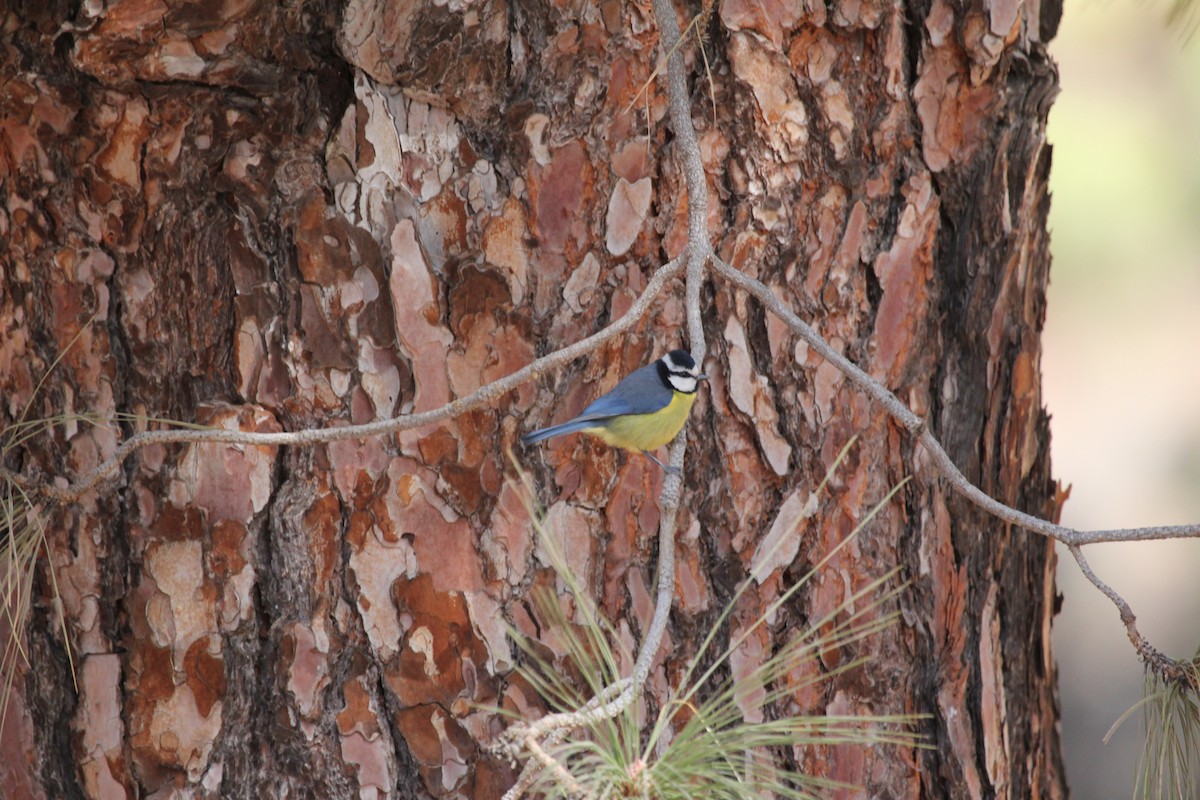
(481, 396)
(530, 772)
(1160, 664)
(552, 729)
(688, 152)
(533, 768)
(1165, 667)
(695, 256)
(916, 426)
(597, 709)
(565, 778)
(658, 67)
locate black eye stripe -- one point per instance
(687, 384)
(669, 371)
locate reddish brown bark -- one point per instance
(302, 215)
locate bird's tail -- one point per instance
(557, 430)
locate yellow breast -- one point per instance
(647, 431)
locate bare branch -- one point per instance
(916, 426)
(565, 778)
(481, 396)
(607, 703)
(896, 409)
(688, 152)
(1163, 666)
(695, 256)
(553, 732)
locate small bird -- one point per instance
(642, 412)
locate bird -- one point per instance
(643, 412)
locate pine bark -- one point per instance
(289, 215)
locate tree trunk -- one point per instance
(297, 215)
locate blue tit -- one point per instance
(643, 412)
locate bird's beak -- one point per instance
(701, 377)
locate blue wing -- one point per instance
(641, 392)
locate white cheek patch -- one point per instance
(683, 383)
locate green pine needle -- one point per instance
(1169, 767)
(699, 744)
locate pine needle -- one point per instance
(699, 745)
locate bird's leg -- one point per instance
(669, 469)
